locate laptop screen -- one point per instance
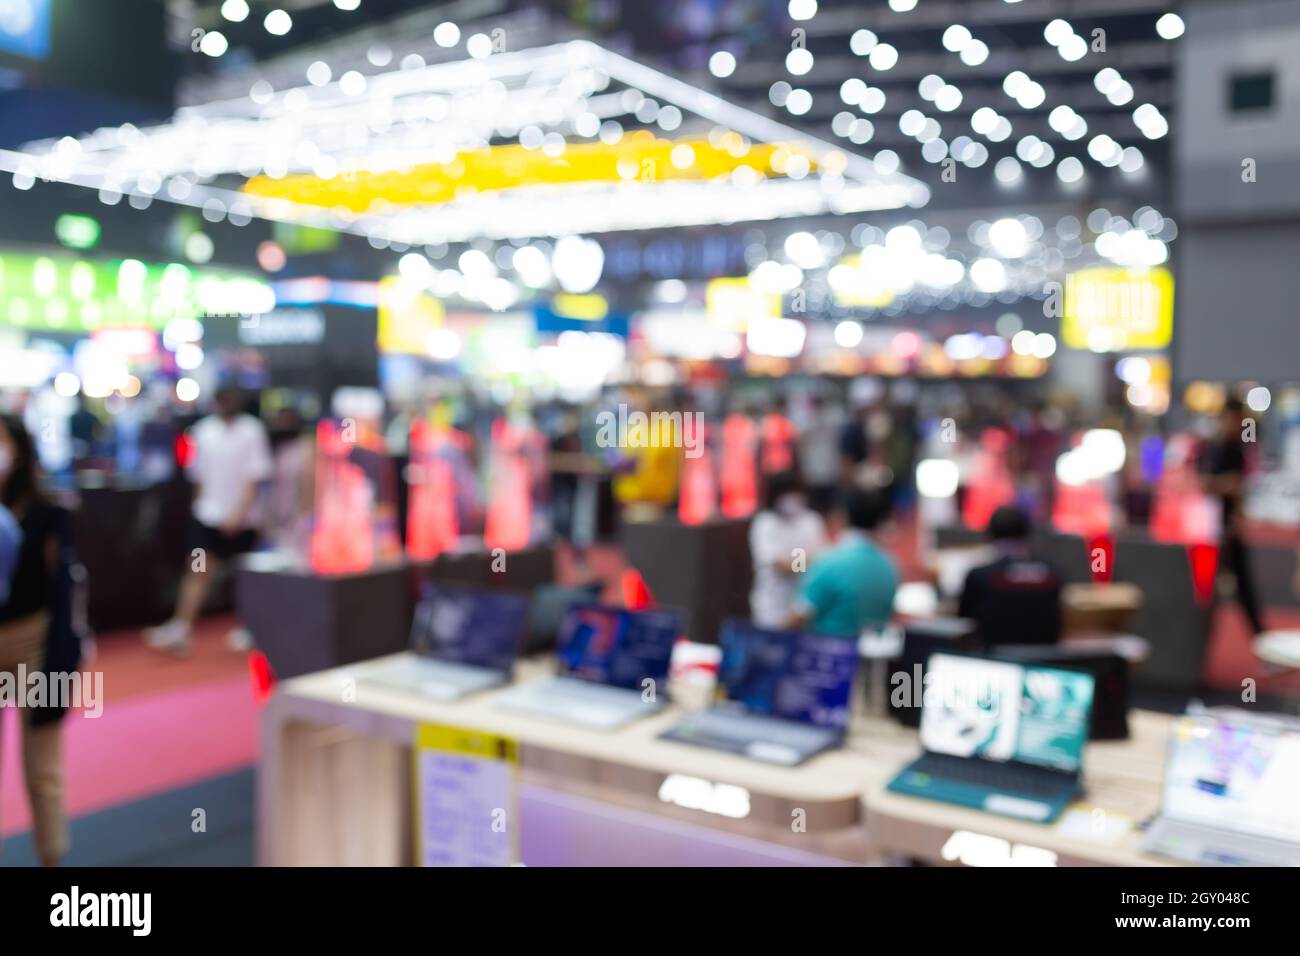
(618, 647)
(786, 674)
(997, 710)
(481, 628)
(1234, 775)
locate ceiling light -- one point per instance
(236, 11)
(722, 64)
(862, 42)
(955, 38)
(278, 23)
(883, 57)
(446, 34)
(1170, 26)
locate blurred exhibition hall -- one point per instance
(627, 433)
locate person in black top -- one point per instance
(1015, 599)
(1223, 470)
(25, 628)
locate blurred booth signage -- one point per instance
(580, 313)
(735, 304)
(284, 327)
(1110, 310)
(25, 27)
(694, 257)
(407, 317)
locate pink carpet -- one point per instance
(139, 746)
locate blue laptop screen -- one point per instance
(469, 627)
(997, 710)
(615, 646)
(795, 676)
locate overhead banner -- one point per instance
(466, 797)
(1114, 310)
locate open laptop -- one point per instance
(613, 668)
(1231, 793)
(1109, 670)
(999, 736)
(787, 696)
(463, 641)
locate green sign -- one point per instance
(65, 294)
(77, 232)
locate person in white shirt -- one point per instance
(232, 457)
(783, 539)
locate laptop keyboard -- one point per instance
(768, 739)
(993, 776)
(1195, 844)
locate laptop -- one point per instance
(613, 668)
(1109, 671)
(463, 641)
(787, 696)
(921, 639)
(1230, 793)
(1000, 736)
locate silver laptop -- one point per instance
(1230, 793)
(613, 668)
(463, 641)
(787, 696)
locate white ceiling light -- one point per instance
(578, 263)
(318, 74)
(1069, 170)
(213, 43)
(278, 23)
(799, 61)
(848, 334)
(1007, 170)
(1009, 238)
(802, 9)
(446, 34)
(955, 38)
(1057, 32)
(1170, 26)
(722, 64)
(975, 53)
(348, 5)
(988, 275)
(862, 42)
(236, 11)
(882, 57)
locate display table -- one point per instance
(304, 621)
(704, 570)
(1122, 780)
(335, 788)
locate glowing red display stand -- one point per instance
(990, 485)
(342, 537)
(510, 503)
(431, 523)
(698, 499)
(779, 435)
(739, 477)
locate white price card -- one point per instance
(466, 797)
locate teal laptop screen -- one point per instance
(997, 710)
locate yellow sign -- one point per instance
(735, 304)
(406, 317)
(1112, 310)
(637, 157)
(466, 797)
(589, 307)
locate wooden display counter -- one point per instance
(1122, 786)
(335, 788)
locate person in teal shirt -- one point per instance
(850, 588)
